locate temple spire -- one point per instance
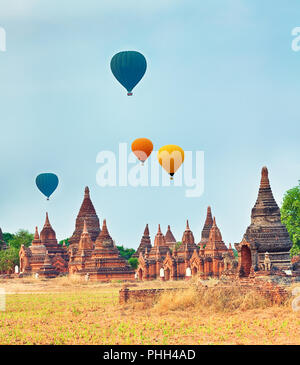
(146, 231)
(85, 242)
(36, 234)
(144, 244)
(206, 228)
(87, 192)
(104, 236)
(188, 237)
(84, 227)
(47, 222)
(265, 205)
(159, 238)
(169, 238)
(88, 213)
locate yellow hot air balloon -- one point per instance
(170, 157)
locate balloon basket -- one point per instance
(129, 94)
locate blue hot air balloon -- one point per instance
(128, 68)
(47, 183)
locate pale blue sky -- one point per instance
(221, 78)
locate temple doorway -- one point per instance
(140, 274)
(194, 271)
(246, 261)
(167, 274)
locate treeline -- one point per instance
(9, 258)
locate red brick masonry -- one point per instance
(275, 292)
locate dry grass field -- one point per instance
(72, 311)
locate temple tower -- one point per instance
(169, 238)
(206, 228)
(145, 243)
(265, 234)
(88, 214)
(159, 239)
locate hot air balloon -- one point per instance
(128, 68)
(47, 183)
(142, 148)
(170, 158)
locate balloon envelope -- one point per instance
(47, 183)
(128, 68)
(142, 148)
(170, 158)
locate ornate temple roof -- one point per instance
(188, 237)
(85, 242)
(206, 228)
(169, 237)
(266, 229)
(48, 236)
(104, 237)
(265, 206)
(159, 238)
(215, 241)
(36, 239)
(86, 213)
(144, 244)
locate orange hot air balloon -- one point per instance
(170, 158)
(142, 148)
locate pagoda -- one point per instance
(169, 238)
(206, 228)
(144, 244)
(88, 214)
(43, 247)
(100, 261)
(266, 238)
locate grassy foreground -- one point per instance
(62, 311)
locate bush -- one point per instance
(9, 259)
(126, 252)
(22, 237)
(133, 261)
(290, 217)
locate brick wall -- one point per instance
(276, 293)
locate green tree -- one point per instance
(8, 259)
(126, 252)
(66, 242)
(133, 261)
(290, 217)
(178, 244)
(22, 237)
(7, 237)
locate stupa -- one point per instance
(265, 235)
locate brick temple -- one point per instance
(91, 251)
(266, 243)
(44, 250)
(168, 260)
(264, 249)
